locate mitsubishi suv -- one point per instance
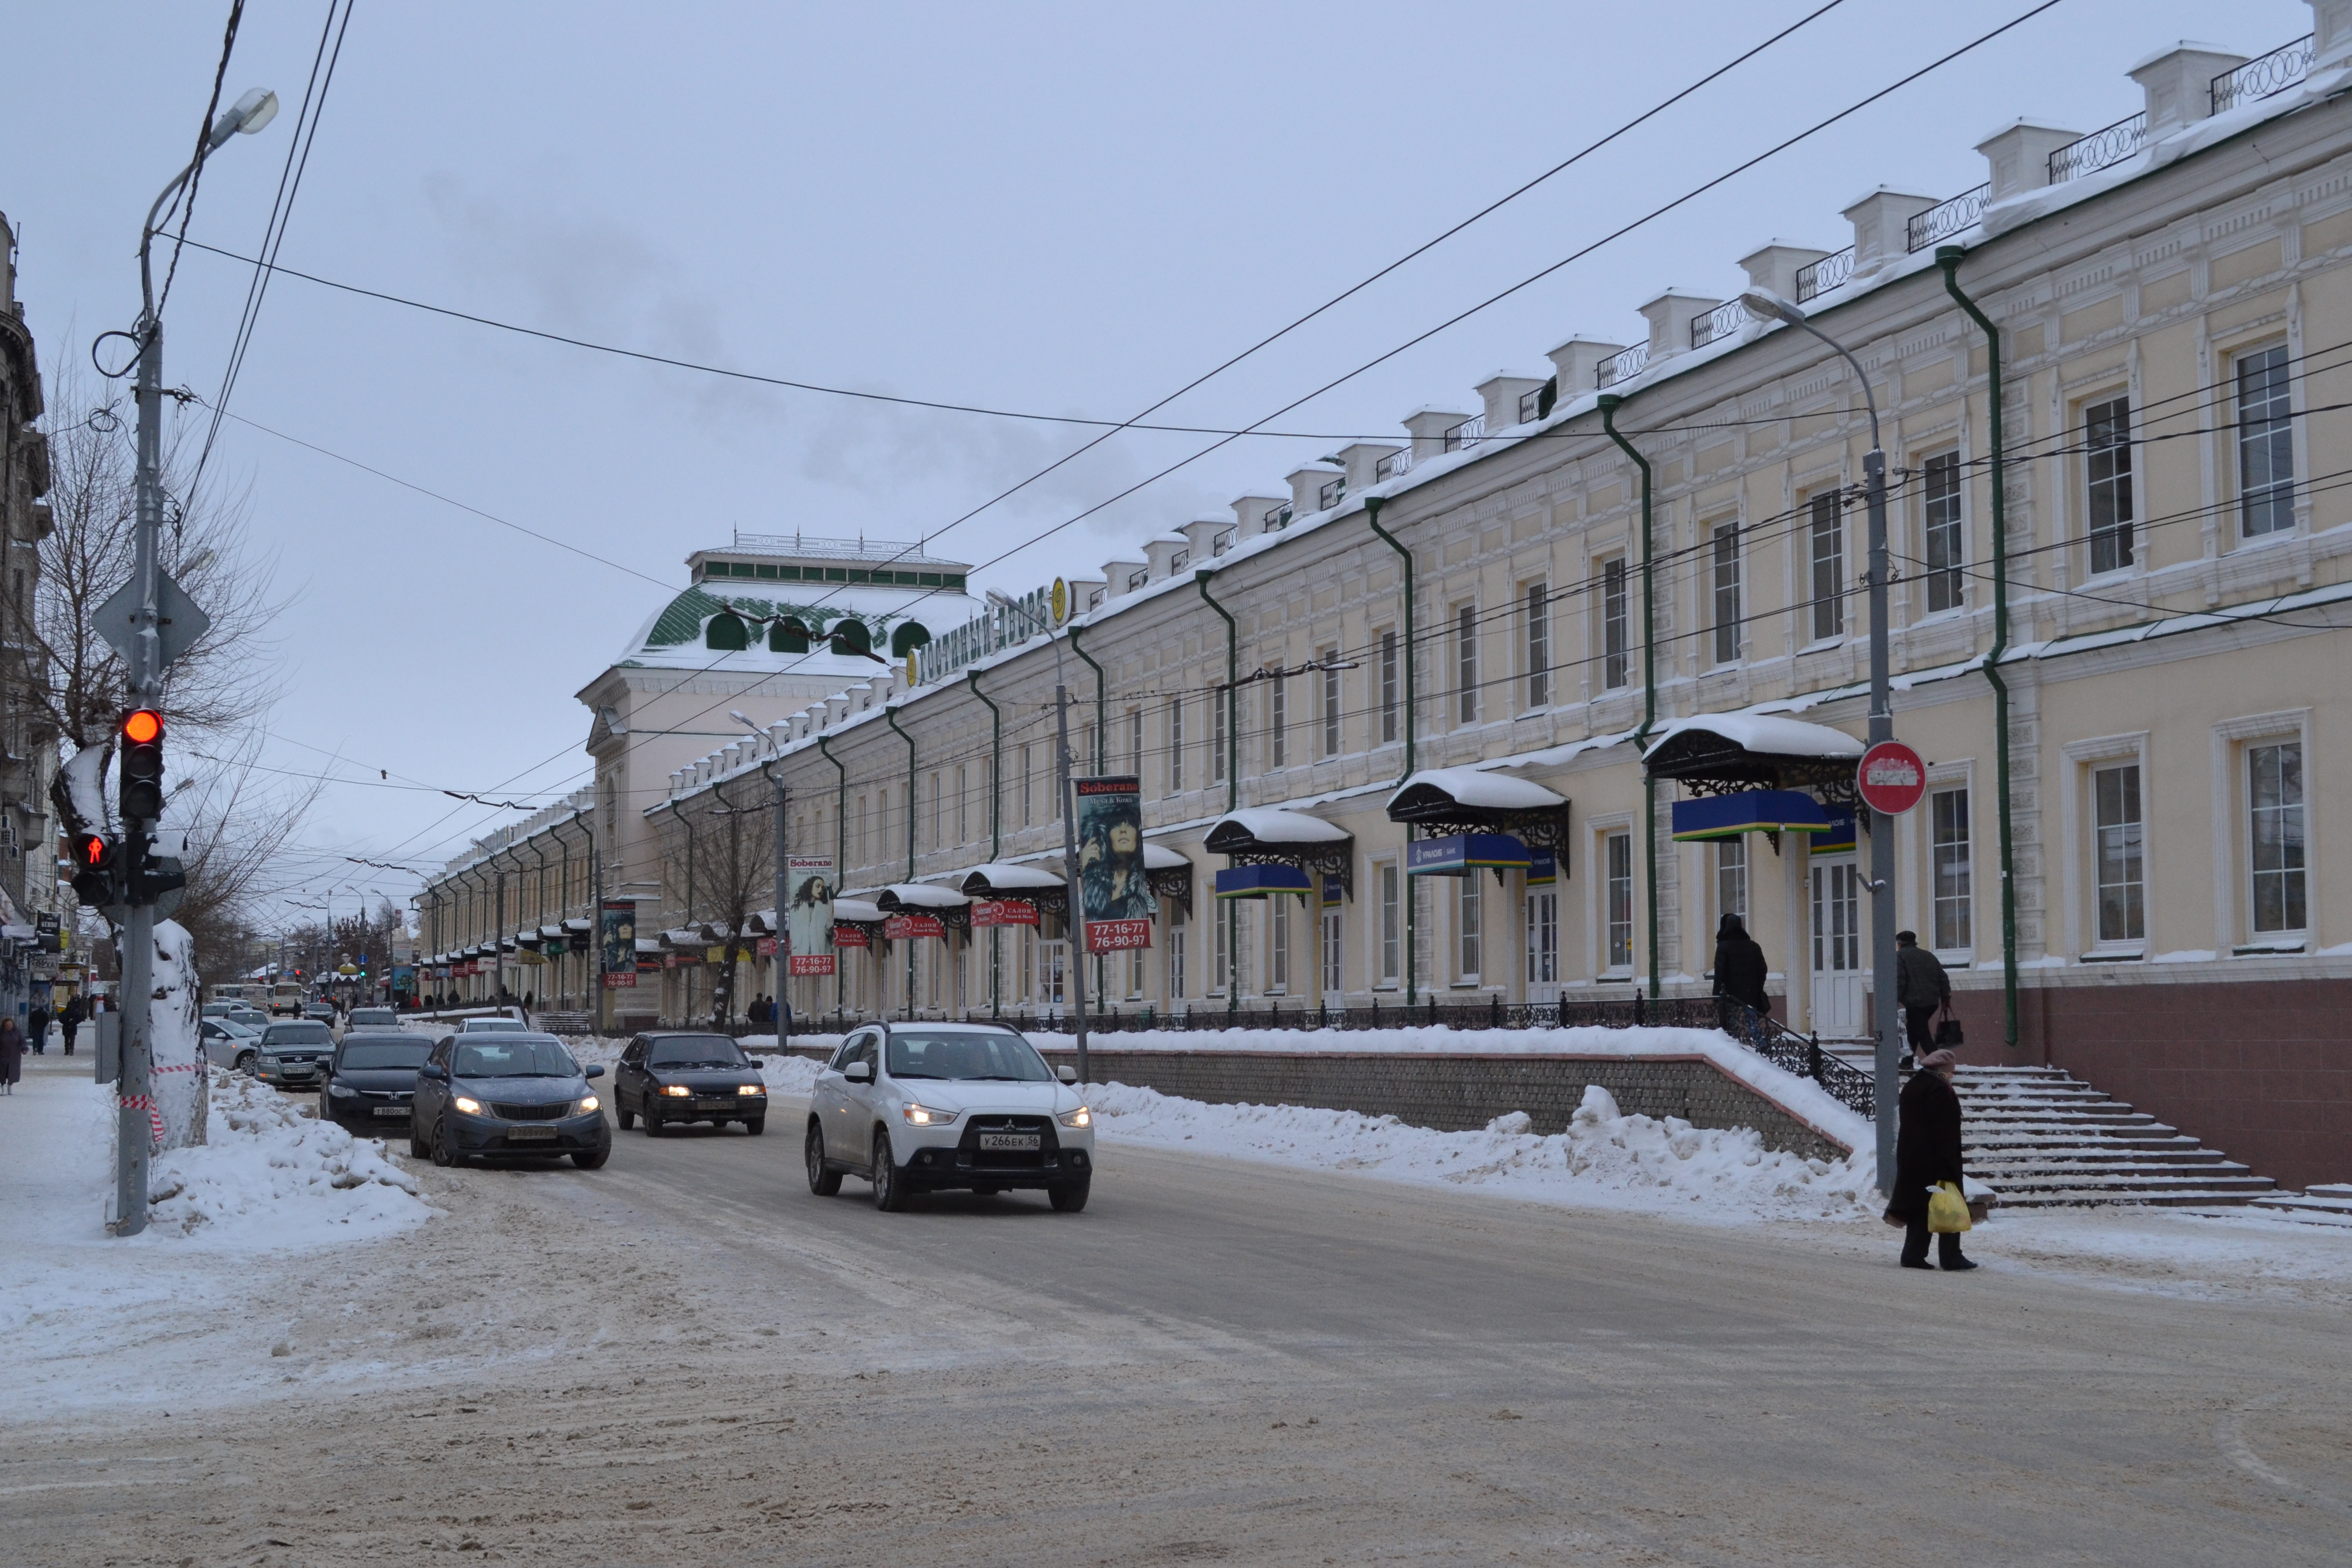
(915, 1108)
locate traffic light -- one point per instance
(94, 866)
(142, 766)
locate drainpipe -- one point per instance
(1609, 402)
(890, 717)
(1947, 257)
(1102, 709)
(1233, 772)
(1373, 505)
(840, 860)
(995, 828)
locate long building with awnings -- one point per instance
(1521, 706)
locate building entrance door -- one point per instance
(1543, 947)
(1838, 1004)
(1053, 978)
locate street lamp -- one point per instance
(1764, 305)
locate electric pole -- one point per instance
(1074, 927)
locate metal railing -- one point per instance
(1946, 219)
(1620, 366)
(1333, 492)
(2266, 77)
(1720, 322)
(2088, 155)
(1467, 434)
(1395, 463)
(1821, 277)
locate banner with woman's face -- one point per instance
(1115, 894)
(808, 919)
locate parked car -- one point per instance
(674, 1077)
(507, 1093)
(293, 1053)
(251, 1017)
(371, 1078)
(490, 1025)
(372, 1019)
(918, 1107)
(229, 1043)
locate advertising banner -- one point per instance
(904, 928)
(1114, 892)
(767, 947)
(617, 932)
(808, 923)
(850, 936)
(1003, 913)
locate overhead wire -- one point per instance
(187, 207)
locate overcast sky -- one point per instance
(1062, 209)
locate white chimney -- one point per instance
(1882, 227)
(1578, 363)
(2017, 157)
(2179, 84)
(1509, 397)
(1428, 427)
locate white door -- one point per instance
(1334, 955)
(1543, 947)
(1837, 947)
(1053, 971)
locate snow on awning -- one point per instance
(944, 904)
(1447, 801)
(679, 937)
(551, 933)
(1716, 751)
(1269, 835)
(856, 912)
(1000, 881)
(1169, 873)
(580, 924)
(762, 922)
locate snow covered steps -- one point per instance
(2327, 1204)
(2043, 1138)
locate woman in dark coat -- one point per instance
(1927, 1150)
(12, 1054)
(1739, 965)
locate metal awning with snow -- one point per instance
(1269, 835)
(1000, 880)
(1169, 873)
(580, 925)
(855, 912)
(1718, 754)
(945, 905)
(551, 933)
(1442, 801)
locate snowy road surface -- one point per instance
(685, 1359)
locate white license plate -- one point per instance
(714, 1105)
(1011, 1142)
(531, 1134)
(390, 1110)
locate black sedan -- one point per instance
(671, 1077)
(294, 1053)
(372, 1078)
(510, 1093)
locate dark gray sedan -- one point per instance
(510, 1093)
(371, 1079)
(294, 1054)
(670, 1077)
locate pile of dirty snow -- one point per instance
(271, 1175)
(1605, 1158)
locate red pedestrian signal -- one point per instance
(93, 878)
(141, 765)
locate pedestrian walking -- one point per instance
(12, 1054)
(1740, 966)
(69, 1021)
(1921, 988)
(1927, 1150)
(37, 1031)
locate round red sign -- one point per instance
(1892, 778)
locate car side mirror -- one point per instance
(595, 1072)
(1067, 1074)
(858, 1072)
(429, 1071)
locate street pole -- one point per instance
(135, 1093)
(782, 933)
(1073, 967)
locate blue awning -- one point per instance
(1257, 881)
(1459, 854)
(1749, 811)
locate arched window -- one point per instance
(727, 631)
(910, 636)
(787, 635)
(850, 635)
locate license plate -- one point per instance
(390, 1110)
(714, 1105)
(531, 1134)
(1011, 1142)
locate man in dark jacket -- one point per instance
(1921, 987)
(1927, 1150)
(1740, 967)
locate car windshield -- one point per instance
(361, 1055)
(695, 1051)
(296, 1035)
(1009, 1058)
(516, 1058)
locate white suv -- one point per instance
(916, 1107)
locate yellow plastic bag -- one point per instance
(1947, 1211)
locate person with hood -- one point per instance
(1927, 1150)
(69, 1021)
(1740, 966)
(12, 1054)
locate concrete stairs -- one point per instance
(2329, 1204)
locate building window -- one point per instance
(1827, 536)
(2120, 849)
(1135, 745)
(1726, 593)
(1220, 715)
(964, 804)
(2107, 465)
(1221, 938)
(1731, 877)
(1180, 933)
(1465, 662)
(1619, 858)
(1951, 874)
(2275, 794)
(1278, 945)
(726, 632)
(1329, 659)
(1277, 722)
(938, 835)
(1388, 688)
(1391, 924)
(1538, 644)
(1616, 647)
(1028, 787)
(1469, 923)
(1175, 745)
(1941, 489)
(1543, 938)
(2265, 444)
(1334, 954)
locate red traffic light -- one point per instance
(92, 852)
(142, 726)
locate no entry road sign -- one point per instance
(1892, 778)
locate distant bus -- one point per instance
(286, 998)
(228, 992)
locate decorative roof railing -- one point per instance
(1395, 463)
(1946, 219)
(1621, 365)
(1720, 322)
(1830, 272)
(2262, 78)
(2088, 155)
(1466, 435)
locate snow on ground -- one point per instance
(273, 1176)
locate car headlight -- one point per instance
(751, 1089)
(589, 1103)
(468, 1104)
(676, 1091)
(344, 1089)
(1081, 1117)
(924, 1116)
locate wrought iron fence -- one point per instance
(1821, 277)
(2270, 74)
(1621, 365)
(1720, 322)
(1946, 219)
(1395, 463)
(2088, 155)
(1467, 434)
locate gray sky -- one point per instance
(1058, 208)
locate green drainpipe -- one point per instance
(890, 717)
(840, 859)
(1233, 772)
(1373, 505)
(1947, 257)
(1102, 699)
(995, 824)
(1609, 402)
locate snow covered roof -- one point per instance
(1269, 824)
(1476, 788)
(1762, 733)
(1001, 877)
(918, 896)
(1160, 857)
(856, 911)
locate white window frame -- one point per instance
(1953, 574)
(1599, 831)
(2082, 758)
(1464, 616)
(1389, 679)
(1176, 745)
(2238, 445)
(2233, 850)
(1827, 501)
(1726, 577)
(1328, 683)
(1535, 599)
(1942, 781)
(1277, 722)
(1469, 928)
(1385, 931)
(2129, 477)
(1615, 622)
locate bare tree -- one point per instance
(237, 833)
